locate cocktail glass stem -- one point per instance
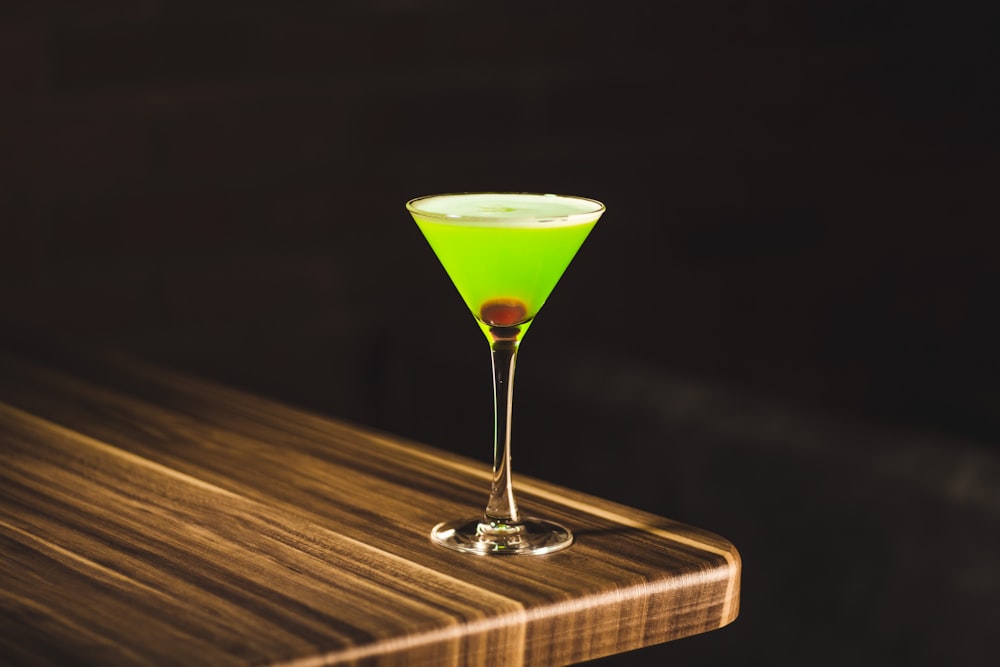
(501, 510)
(501, 529)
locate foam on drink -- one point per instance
(509, 209)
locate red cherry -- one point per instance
(503, 312)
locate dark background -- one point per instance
(782, 330)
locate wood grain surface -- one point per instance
(151, 518)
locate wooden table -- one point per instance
(150, 518)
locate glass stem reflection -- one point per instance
(501, 511)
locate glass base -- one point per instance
(530, 536)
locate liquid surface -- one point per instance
(512, 209)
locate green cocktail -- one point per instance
(504, 252)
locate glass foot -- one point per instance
(530, 536)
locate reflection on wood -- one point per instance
(150, 518)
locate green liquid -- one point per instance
(505, 253)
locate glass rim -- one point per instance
(584, 215)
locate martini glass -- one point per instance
(504, 252)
